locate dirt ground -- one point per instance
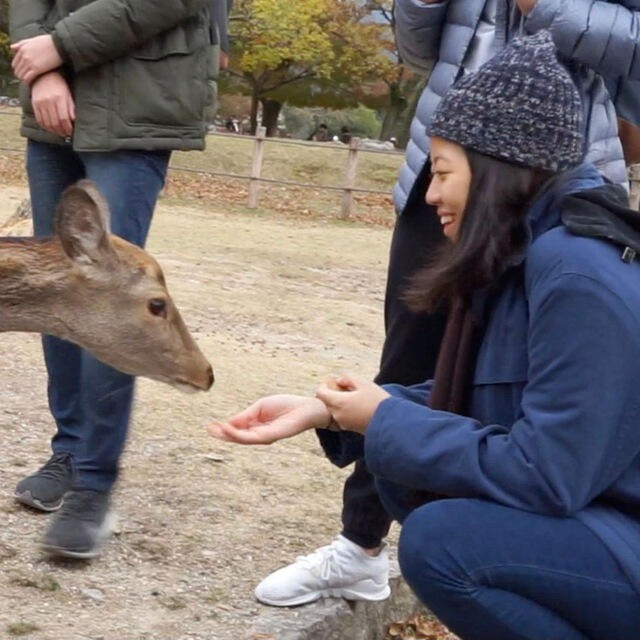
(276, 305)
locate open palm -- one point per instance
(271, 419)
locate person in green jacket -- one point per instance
(109, 88)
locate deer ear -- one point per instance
(82, 223)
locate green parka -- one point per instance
(142, 72)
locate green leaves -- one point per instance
(332, 44)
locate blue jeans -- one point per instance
(491, 572)
(90, 401)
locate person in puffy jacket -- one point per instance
(598, 43)
(515, 471)
(109, 88)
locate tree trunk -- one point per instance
(403, 124)
(254, 112)
(270, 112)
(397, 105)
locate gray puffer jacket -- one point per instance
(598, 38)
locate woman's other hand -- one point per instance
(352, 401)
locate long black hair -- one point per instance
(493, 229)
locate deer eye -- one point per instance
(158, 307)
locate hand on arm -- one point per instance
(352, 401)
(33, 57)
(271, 419)
(53, 104)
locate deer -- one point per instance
(100, 292)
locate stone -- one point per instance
(337, 619)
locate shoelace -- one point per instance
(324, 562)
(56, 467)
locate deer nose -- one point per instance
(210, 377)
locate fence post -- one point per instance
(256, 167)
(350, 178)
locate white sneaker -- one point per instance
(341, 569)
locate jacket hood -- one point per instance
(603, 212)
(545, 212)
(587, 205)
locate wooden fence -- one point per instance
(352, 152)
(348, 188)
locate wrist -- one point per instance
(324, 419)
(58, 44)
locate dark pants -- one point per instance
(409, 354)
(490, 572)
(90, 401)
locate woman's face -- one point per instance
(449, 188)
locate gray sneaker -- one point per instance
(82, 526)
(45, 489)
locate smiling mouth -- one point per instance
(446, 220)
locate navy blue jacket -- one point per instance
(554, 424)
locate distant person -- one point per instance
(321, 134)
(231, 125)
(345, 135)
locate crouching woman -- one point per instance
(516, 472)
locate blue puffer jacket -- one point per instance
(599, 37)
(554, 422)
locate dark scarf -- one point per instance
(452, 379)
(456, 361)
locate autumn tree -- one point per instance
(4, 16)
(404, 86)
(306, 52)
(5, 53)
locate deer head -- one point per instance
(106, 295)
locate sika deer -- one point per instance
(99, 291)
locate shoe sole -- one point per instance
(103, 535)
(367, 591)
(27, 499)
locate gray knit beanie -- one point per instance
(521, 106)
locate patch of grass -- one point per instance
(44, 583)
(49, 583)
(173, 603)
(21, 628)
(214, 596)
(10, 128)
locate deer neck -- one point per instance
(35, 287)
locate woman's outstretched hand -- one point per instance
(352, 401)
(271, 419)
